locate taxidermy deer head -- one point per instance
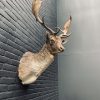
(32, 65)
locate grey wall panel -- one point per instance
(79, 65)
(19, 32)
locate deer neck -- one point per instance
(45, 53)
(34, 64)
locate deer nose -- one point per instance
(61, 49)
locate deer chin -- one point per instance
(58, 51)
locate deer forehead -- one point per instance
(56, 38)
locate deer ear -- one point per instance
(47, 37)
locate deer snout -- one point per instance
(61, 49)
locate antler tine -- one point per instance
(59, 29)
(35, 10)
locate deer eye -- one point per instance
(52, 41)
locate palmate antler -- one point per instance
(35, 10)
(65, 30)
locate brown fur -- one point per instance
(33, 64)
